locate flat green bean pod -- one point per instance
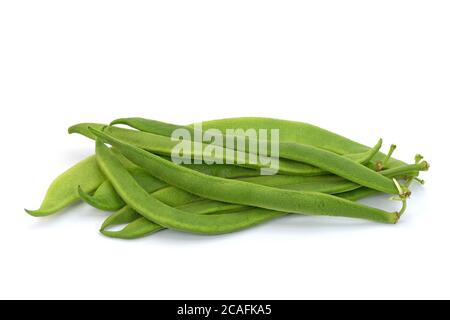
(63, 191)
(163, 145)
(107, 199)
(310, 155)
(232, 191)
(139, 227)
(167, 129)
(169, 195)
(290, 131)
(330, 185)
(324, 184)
(138, 178)
(299, 132)
(191, 203)
(104, 198)
(125, 215)
(167, 216)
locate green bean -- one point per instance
(142, 227)
(184, 202)
(139, 227)
(167, 129)
(169, 195)
(358, 194)
(83, 129)
(232, 191)
(290, 131)
(330, 162)
(319, 173)
(299, 132)
(301, 153)
(354, 172)
(223, 170)
(162, 145)
(178, 198)
(125, 215)
(107, 199)
(324, 184)
(63, 191)
(167, 216)
(407, 172)
(150, 126)
(310, 155)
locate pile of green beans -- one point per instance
(132, 176)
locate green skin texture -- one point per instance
(163, 145)
(167, 216)
(63, 190)
(190, 203)
(138, 227)
(332, 185)
(300, 132)
(290, 131)
(232, 191)
(323, 159)
(102, 201)
(107, 199)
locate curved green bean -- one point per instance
(139, 227)
(104, 198)
(163, 145)
(169, 170)
(63, 190)
(324, 184)
(167, 216)
(299, 132)
(329, 161)
(290, 131)
(178, 198)
(319, 173)
(107, 199)
(83, 129)
(331, 185)
(167, 129)
(238, 192)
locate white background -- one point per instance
(365, 69)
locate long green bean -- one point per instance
(163, 145)
(238, 192)
(138, 227)
(63, 190)
(290, 131)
